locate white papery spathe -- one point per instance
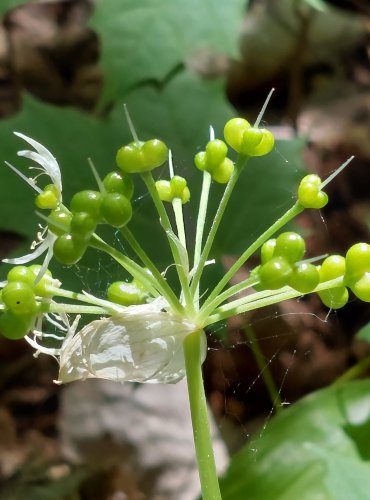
(141, 344)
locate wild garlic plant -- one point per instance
(146, 332)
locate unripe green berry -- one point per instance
(223, 172)
(68, 249)
(357, 262)
(265, 145)
(267, 250)
(362, 288)
(200, 160)
(155, 153)
(177, 184)
(13, 326)
(291, 246)
(49, 198)
(116, 209)
(335, 298)
(309, 193)
(234, 131)
(333, 267)
(21, 273)
(87, 201)
(130, 158)
(216, 152)
(116, 182)
(164, 190)
(305, 277)
(59, 220)
(83, 225)
(126, 294)
(19, 298)
(185, 196)
(275, 273)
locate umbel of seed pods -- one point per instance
(25, 295)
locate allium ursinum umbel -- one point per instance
(140, 335)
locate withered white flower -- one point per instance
(141, 344)
(49, 166)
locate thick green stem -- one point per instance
(284, 219)
(216, 222)
(199, 417)
(263, 368)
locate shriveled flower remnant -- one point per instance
(142, 324)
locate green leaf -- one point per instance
(6, 5)
(315, 449)
(146, 40)
(364, 333)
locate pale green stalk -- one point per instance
(179, 218)
(263, 299)
(162, 284)
(202, 212)
(282, 221)
(166, 224)
(216, 222)
(199, 416)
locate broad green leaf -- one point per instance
(364, 333)
(317, 449)
(147, 40)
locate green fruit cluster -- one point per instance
(174, 188)
(310, 194)
(19, 298)
(214, 161)
(248, 140)
(89, 208)
(138, 157)
(280, 264)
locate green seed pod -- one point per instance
(334, 298)
(223, 172)
(116, 209)
(266, 144)
(362, 288)
(216, 152)
(164, 190)
(87, 201)
(234, 131)
(200, 160)
(126, 294)
(177, 184)
(305, 277)
(49, 198)
(185, 196)
(21, 273)
(251, 139)
(267, 250)
(68, 249)
(14, 326)
(275, 274)
(83, 225)
(291, 246)
(19, 298)
(59, 220)
(130, 158)
(357, 262)
(155, 153)
(333, 267)
(116, 182)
